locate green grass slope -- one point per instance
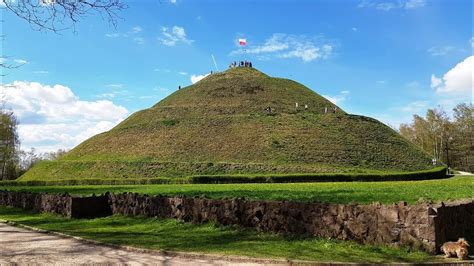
(220, 126)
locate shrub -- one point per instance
(436, 173)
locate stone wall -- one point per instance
(454, 220)
(57, 204)
(421, 226)
(397, 224)
(62, 204)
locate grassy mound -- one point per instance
(240, 121)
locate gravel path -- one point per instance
(23, 246)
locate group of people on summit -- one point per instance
(240, 64)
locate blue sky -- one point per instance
(385, 59)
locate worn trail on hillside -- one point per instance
(23, 246)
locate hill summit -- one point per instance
(238, 121)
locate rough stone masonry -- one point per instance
(422, 226)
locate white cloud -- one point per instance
(393, 121)
(309, 53)
(162, 70)
(415, 107)
(281, 45)
(139, 40)
(53, 117)
(174, 35)
(276, 43)
(441, 50)
(435, 82)
(51, 137)
(132, 34)
(162, 90)
(106, 95)
(387, 6)
(410, 4)
(335, 99)
(413, 85)
(113, 90)
(115, 86)
(41, 72)
(196, 78)
(113, 35)
(146, 97)
(20, 61)
(457, 81)
(339, 98)
(454, 87)
(136, 30)
(174, 2)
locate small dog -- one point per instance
(458, 248)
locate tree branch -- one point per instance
(59, 15)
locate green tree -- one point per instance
(418, 133)
(463, 153)
(9, 145)
(451, 142)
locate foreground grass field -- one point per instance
(458, 187)
(172, 235)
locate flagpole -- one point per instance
(215, 64)
(243, 42)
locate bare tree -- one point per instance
(4, 64)
(58, 15)
(28, 159)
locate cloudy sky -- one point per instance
(385, 59)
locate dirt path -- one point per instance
(23, 246)
(464, 173)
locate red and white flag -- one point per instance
(243, 42)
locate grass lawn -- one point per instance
(172, 235)
(458, 187)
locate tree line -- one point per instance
(448, 139)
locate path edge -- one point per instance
(207, 256)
